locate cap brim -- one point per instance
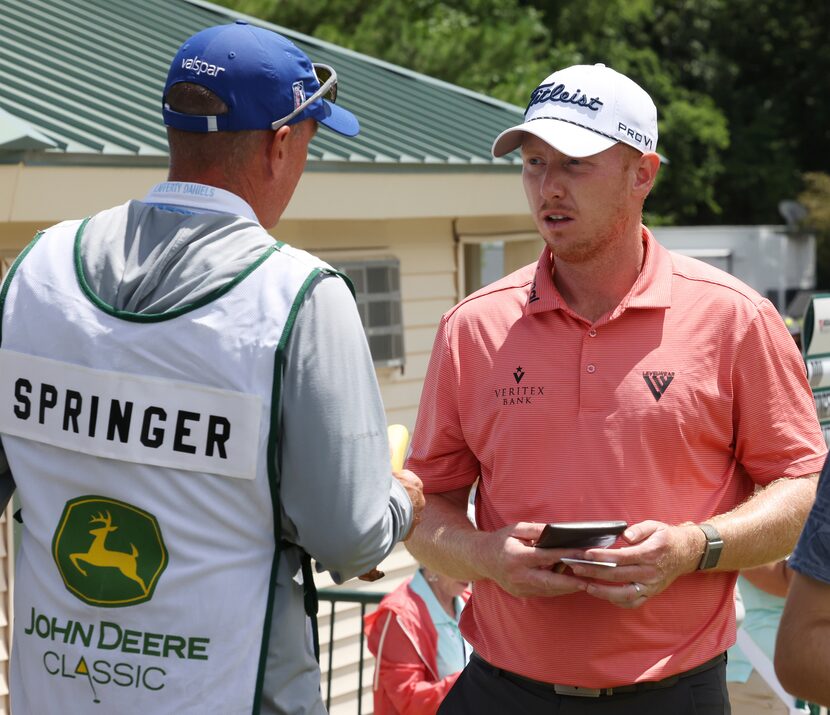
(339, 120)
(570, 139)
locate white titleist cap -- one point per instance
(583, 110)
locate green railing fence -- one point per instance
(333, 596)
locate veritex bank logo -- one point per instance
(519, 393)
(109, 553)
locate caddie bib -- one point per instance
(142, 449)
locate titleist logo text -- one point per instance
(557, 93)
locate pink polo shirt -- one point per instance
(672, 408)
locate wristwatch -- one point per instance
(714, 545)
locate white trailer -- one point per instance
(774, 260)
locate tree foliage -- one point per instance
(740, 85)
(816, 199)
(500, 47)
(764, 64)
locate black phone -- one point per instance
(580, 534)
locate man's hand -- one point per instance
(415, 489)
(658, 555)
(511, 560)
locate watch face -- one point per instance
(710, 558)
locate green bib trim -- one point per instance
(166, 315)
(273, 457)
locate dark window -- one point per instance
(377, 287)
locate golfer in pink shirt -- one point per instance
(612, 380)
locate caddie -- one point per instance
(190, 413)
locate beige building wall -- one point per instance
(15, 236)
(426, 253)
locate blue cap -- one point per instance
(260, 75)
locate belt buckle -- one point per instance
(576, 691)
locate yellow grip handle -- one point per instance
(398, 442)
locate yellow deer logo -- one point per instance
(99, 555)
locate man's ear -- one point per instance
(278, 146)
(645, 173)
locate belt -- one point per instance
(576, 691)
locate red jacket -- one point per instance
(404, 641)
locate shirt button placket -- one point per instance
(591, 368)
(589, 388)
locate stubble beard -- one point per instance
(588, 249)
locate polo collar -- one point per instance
(652, 289)
(198, 198)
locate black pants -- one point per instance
(483, 690)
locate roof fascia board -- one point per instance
(47, 194)
(64, 159)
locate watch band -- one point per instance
(714, 546)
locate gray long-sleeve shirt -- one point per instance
(339, 501)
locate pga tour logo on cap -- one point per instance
(299, 93)
(583, 110)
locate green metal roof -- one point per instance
(81, 82)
